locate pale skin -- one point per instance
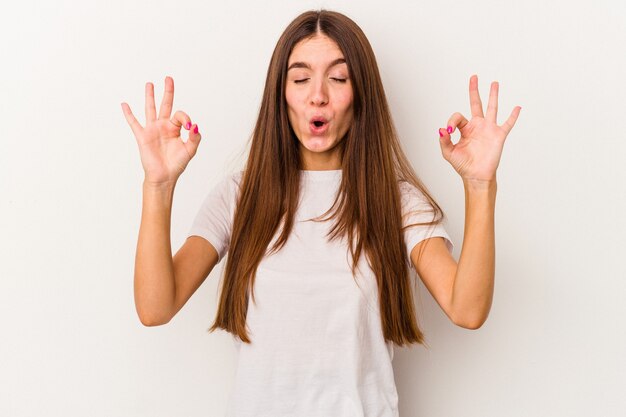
(318, 83)
(464, 290)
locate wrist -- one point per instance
(473, 184)
(158, 191)
(158, 196)
(158, 186)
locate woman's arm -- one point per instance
(154, 282)
(464, 291)
(472, 292)
(164, 156)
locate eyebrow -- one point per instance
(299, 64)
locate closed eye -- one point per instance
(300, 81)
(339, 80)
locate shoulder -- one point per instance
(406, 187)
(229, 183)
(412, 195)
(417, 205)
(223, 192)
(233, 178)
(236, 177)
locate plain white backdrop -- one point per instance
(70, 205)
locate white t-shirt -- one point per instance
(317, 344)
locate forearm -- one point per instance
(154, 282)
(472, 293)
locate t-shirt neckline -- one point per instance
(320, 175)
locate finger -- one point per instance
(150, 108)
(168, 99)
(446, 143)
(181, 119)
(492, 106)
(132, 122)
(457, 120)
(193, 141)
(475, 104)
(510, 122)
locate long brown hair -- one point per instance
(368, 204)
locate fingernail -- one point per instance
(195, 129)
(449, 129)
(440, 134)
(188, 125)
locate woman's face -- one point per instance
(319, 100)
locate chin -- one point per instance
(319, 143)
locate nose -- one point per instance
(319, 94)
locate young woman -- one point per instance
(322, 227)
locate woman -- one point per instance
(321, 228)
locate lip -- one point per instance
(315, 130)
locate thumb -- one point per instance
(445, 142)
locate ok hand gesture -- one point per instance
(164, 155)
(477, 154)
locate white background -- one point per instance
(70, 183)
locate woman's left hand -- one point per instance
(477, 154)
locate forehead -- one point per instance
(319, 49)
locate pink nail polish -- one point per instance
(188, 125)
(440, 134)
(449, 129)
(195, 129)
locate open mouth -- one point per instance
(319, 126)
(318, 122)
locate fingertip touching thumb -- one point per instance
(445, 141)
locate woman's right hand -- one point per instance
(164, 155)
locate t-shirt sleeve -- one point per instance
(416, 209)
(215, 217)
